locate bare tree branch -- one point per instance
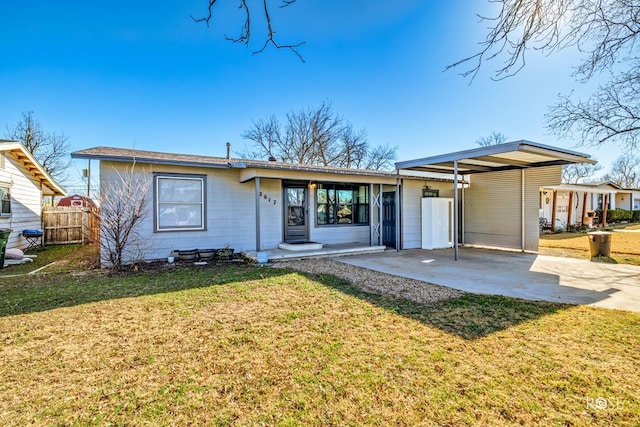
(245, 32)
(494, 138)
(604, 31)
(122, 210)
(612, 113)
(316, 136)
(625, 171)
(50, 149)
(579, 172)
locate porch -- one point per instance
(326, 250)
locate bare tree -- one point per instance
(316, 136)
(625, 171)
(123, 203)
(244, 37)
(605, 31)
(577, 173)
(494, 138)
(49, 148)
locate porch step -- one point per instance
(301, 246)
(325, 251)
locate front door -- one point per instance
(389, 219)
(295, 212)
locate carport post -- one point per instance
(398, 211)
(462, 213)
(258, 214)
(455, 210)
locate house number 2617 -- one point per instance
(266, 197)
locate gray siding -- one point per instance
(26, 201)
(412, 210)
(270, 213)
(230, 211)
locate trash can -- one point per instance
(600, 243)
(4, 238)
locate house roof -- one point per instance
(585, 188)
(32, 166)
(155, 157)
(511, 155)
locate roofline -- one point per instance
(130, 156)
(112, 158)
(521, 145)
(8, 145)
(584, 189)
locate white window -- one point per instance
(179, 202)
(5, 201)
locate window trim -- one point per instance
(156, 212)
(7, 188)
(354, 187)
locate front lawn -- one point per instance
(625, 245)
(243, 345)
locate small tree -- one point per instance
(494, 138)
(123, 204)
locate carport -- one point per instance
(503, 161)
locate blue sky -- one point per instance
(144, 75)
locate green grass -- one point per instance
(625, 246)
(244, 345)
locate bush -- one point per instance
(635, 217)
(618, 215)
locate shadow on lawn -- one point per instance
(470, 316)
(36, 293)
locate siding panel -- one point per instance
(493, 210)
(412, 210)
(26, 199)
(534, 180)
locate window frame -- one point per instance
(157, 177)
(6, 191)
(355, 205)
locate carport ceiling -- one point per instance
(508, 156)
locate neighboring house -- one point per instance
(571, 204)
(77, 201)
(23, 184)
(207, 202)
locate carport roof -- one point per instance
(511, 155)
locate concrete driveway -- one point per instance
(514, 274)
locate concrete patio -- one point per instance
(514, 274)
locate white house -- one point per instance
(23, 184)
(571, 204)
(207, 202)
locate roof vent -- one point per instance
(272, 159)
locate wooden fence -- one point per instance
(63, 225)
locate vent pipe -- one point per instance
(228, 150)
